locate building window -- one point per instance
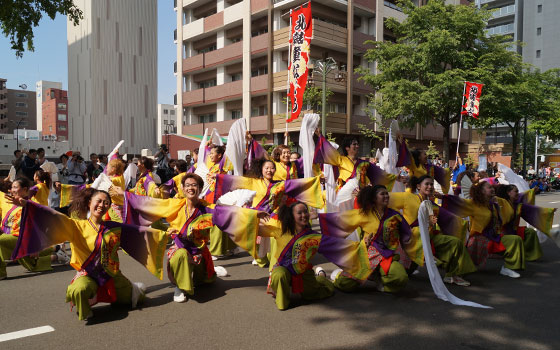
(140, 41)
(236, 77)
(21, 114)
(235, 114)
(105, 96)
(50, 127)
(21, 104)
(539, 31)
(236, 40)
(52, 94)
(207, 84)
(539, 8)
(172, 112)
(538, 53)
(208, 49)
(61, 138)
(62, 117)
(62, 106)
(62, 127)
(21, 94)
(207, 118)
(120, 67)
(117, 36)
(165, 111)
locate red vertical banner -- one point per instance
(300, 40)
(472, 96)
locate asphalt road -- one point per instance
(236, 313)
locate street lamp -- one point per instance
(324, 67)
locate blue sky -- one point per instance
(49, 61)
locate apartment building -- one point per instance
(21, 110)
(55, 115)
(540, 33)
(232, 62)
(112, 76)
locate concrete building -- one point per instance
(112, 76)
(40, 88)
(3, 105)
(540, 33)
(232, 61)
(166, 122)
(21, 110)
(55, 115)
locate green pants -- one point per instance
(220, 243)
(394, 281)
(514, 256)
(7, 246)
(533, 250)
(85, 288)
(314, 287)
(186, 274)
(453, 254)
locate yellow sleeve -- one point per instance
(42, 195)
(397, 200)
(506, 210)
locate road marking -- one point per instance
(25, 333)
(555, 226)
(554, 202)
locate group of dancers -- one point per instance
(369, 225)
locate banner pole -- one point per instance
(288, 88)
(460, 121)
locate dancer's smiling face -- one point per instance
(99, 204)
(268, 170)
(190, 188)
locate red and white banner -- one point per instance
(300, 40)
(472, 95)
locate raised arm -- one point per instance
(144, 210)
(307, 190)
(227, 183)
(340, 224)
(458, 206)
(325, 153)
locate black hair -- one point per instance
(80, 204)
(366, 198)
(16, 151)
(64, 155)
(194, 176)
(347, 142)
(503, 190)
(23, 182)
(182, 165)
(415, 181)
(32, 150)
(286, 216)
(416, 156)
(219, 149)
(256, 168)
(40, 149)
(44, 177)
(148, 163)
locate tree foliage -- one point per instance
(19, 17)
(547, 118)
(420, 77)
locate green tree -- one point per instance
(547, 118)
(19, 17)
(312, 97)
(432, 151)
(420, 77)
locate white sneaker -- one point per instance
(508, 272)
(448, 280)
(220, 271)
(138, 290)
(457, 280)
(214, 258)
(335, 273)
(179, 296)
(62, 257)
(319, 271)
(254, 262)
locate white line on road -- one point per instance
(554, 202)
(25, 333)
(555, 226)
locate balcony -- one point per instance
(259, 43)
(324, 35)
(336, 122)
(359, 39)
(223, 92)
(193, 63)
(360, 87)
(258, 6)
(366, 4)
(259, 84)
(225, 54)
(280, 81)
(193, 97)
(214, 21)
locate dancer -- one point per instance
(271, 194)
(385, 233)
(417, 163)
(297, 244)
(539, 217)
(190, 220)
(40, 192)
(350, 166)
(447, 237)
(11, 223)
(94, 245)
(487, 215)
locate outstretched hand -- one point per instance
(263, 215)
(15, 200)
(115, 191)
